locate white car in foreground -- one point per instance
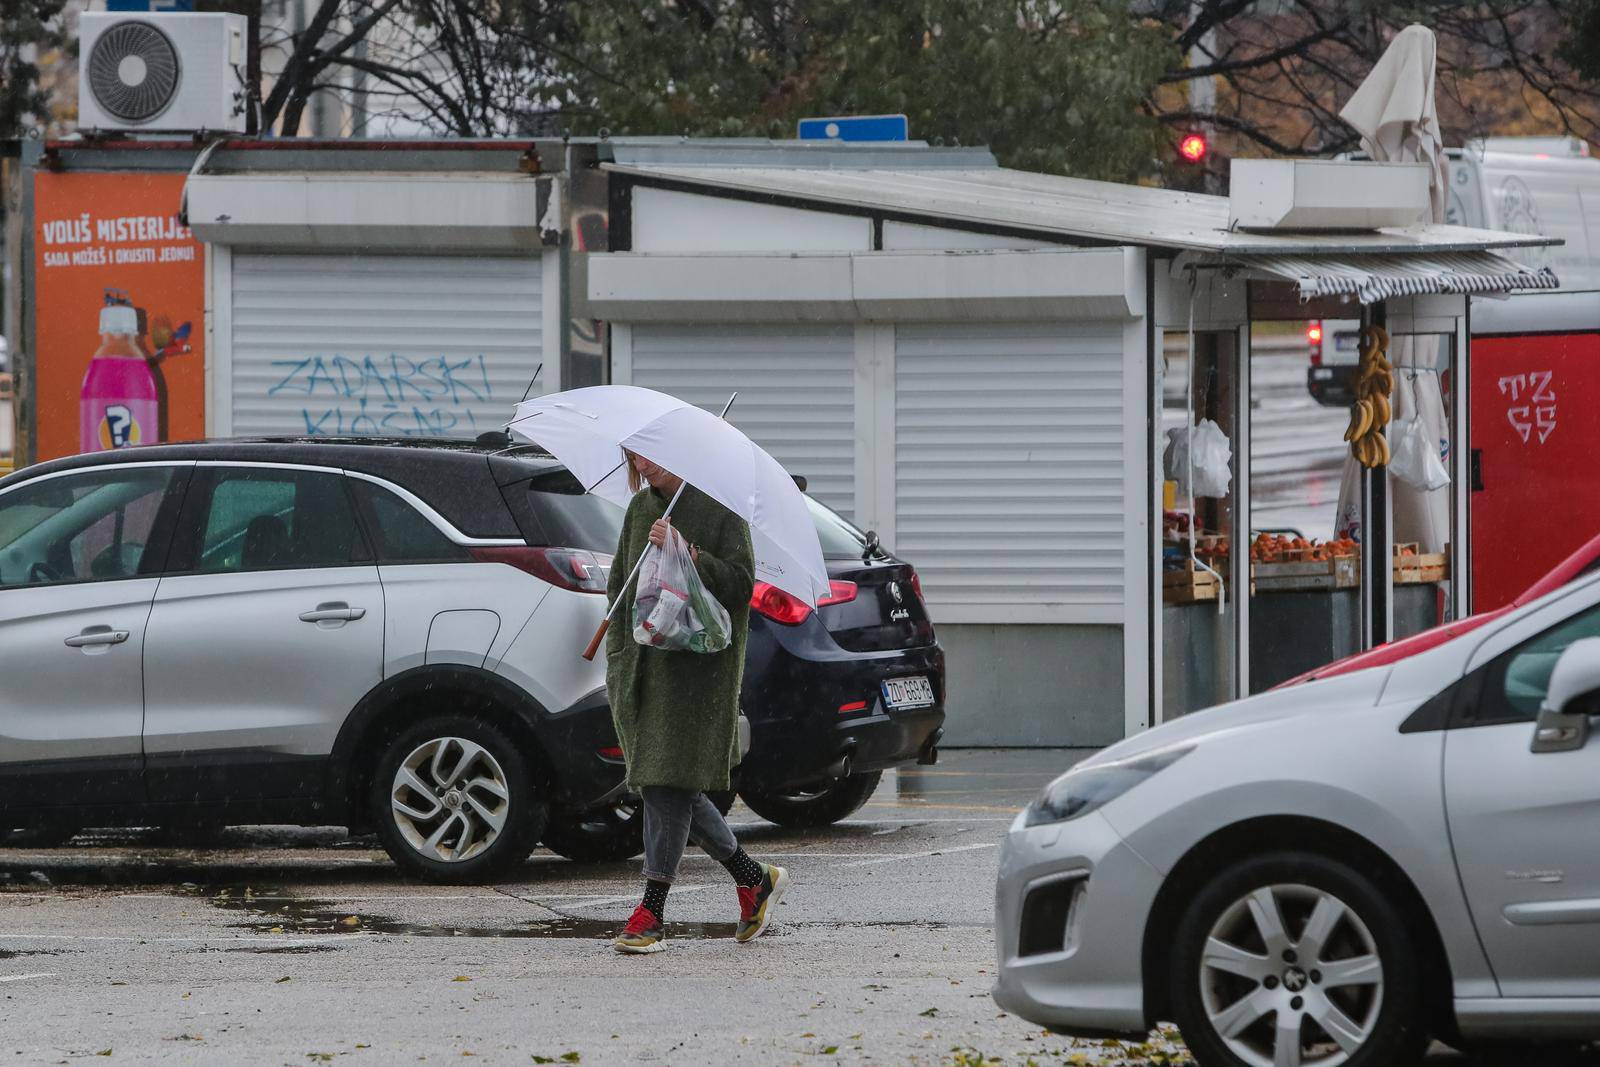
(1336, 872)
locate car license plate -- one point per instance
(1321, 374)
(916, 692)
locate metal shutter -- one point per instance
(796, 391)
(381, 344)
(1009, 463)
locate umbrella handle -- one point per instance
(599, 636)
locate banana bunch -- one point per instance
(1370, 413)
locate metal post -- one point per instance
(1461, 466)
(1377, 569)
(1239, 560)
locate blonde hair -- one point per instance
(635, 482)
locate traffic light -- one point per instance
(1193, 148)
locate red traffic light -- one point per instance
(1193, 148)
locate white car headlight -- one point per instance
(1082, 790)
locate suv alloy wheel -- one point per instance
(455, 801)
(1299, 960)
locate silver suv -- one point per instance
(383, 635)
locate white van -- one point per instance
(1546, 185)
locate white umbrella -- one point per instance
(1393, 110)
(587, 430)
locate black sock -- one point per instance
(745, 871)
(655, 897)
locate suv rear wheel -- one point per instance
(613, 832)
(1294, 958)
(819, 804)
(454, 800)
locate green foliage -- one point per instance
(1050, 86)
(28, 28)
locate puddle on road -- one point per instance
(312, 916)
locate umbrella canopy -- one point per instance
(1393, 111)
(588, 429)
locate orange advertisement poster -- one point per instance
(120, 301)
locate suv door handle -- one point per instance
(96, 635)
(336, 611)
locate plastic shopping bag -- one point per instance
(1207, 448)
(1415, 458)
(672, 608)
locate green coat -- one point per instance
(677, 713)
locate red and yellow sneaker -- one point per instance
(643, 934)
(757, 903)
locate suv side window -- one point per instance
(1514, 683)
(400, 531)
(254, 519)
(94, 526)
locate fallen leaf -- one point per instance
(808, 1034)
(460, 978)
(930, 1013)
(282, 980)
(544, 1059)
(119, 983)
(830, 1050)
(276, 930)
(350, 920)
(570, 1057)
(363, 1046)
(103, 1052)
(320, 1057)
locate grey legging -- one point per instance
(674, 817)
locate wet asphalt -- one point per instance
(274, 945)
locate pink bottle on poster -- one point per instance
(119, 405)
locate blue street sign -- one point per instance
(149, 5)
(856, 128)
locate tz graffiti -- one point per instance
(1533, 403)
(385, 396)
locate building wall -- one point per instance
(1033, 686)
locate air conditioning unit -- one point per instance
(161, 72)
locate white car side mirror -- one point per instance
(1572, 696)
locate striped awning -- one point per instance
(1370, 278)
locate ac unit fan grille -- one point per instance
(133, 71)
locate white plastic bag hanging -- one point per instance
(1206, 448)
(1415, 454)
(672, 608)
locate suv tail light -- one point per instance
(1314, 339)
(569, 568)
(790, 610)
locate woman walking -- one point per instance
(677, 712)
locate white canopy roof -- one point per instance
(1048, 204)
(966, 188)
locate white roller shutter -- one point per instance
(381, 344)
(796, 389)
(1009, 467)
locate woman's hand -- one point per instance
(658, 532)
